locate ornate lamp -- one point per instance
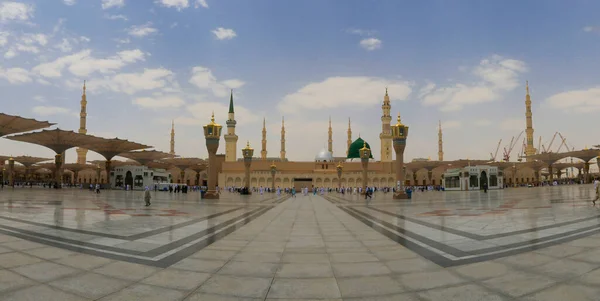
(399, 135)
(273, 172)
(339, 169)
(212, 134)
(365, 154)
(248, 152)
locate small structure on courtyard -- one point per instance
(473, 178)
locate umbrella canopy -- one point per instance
(10, 124)
(28, 161)
(183, 163)
(109, 148)
(57, 140)
(144, 156)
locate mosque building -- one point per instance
(322, 171)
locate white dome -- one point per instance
(324, 155)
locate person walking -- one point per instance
(97, 188)
(147, 196)
(597, 190)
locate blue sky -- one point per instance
(148, 62)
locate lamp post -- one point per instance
(98, 173)
(11, 172)
(399, 135)
(248, 152)
(339, 169)
(273, 172)
(365, 154)
(212, 134)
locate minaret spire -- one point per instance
(82, 152)
(263, 152)
(231, 138)
(282, 139)
(386, 131)
(440, 143)
(330, 138)
(529, 149)
(172, 151)
(349, 141)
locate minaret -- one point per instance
(172, 152)
(231, 138)
(330, 140)
(386, 133)
(349, 141)
(82, 152)
(440, 143)
(530, 149)
(263, 152)
(282, 139)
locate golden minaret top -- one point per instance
(330, 138)
(172, 152)
(263, 152)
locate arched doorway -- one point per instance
(483, 179)
(129, 179)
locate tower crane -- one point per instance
(539, 148)
(512, 144)
(548, 150)
(493, 156)
(564, 142)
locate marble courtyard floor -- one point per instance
(513, 244)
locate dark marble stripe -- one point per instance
(124, 237)
(163, 263)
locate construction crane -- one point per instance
(564, 142)
(539, 148)
(522, 153)
(512, 144)
(548, 150)
(493, 156)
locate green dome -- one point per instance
(354, 151)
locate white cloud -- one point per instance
(159, 102)
(337, 92)
(178, 4)
(15, 11)
(361, 32)
(84, 39)
(70, 2)
(116, 17)
(131, 83)
(43, 82)
(52, 110)
(64, 46)
(39, 98)
(578, 101)
(591, 29)
(106, 4)
(483, 122)
(3, 38)
(15, 75)
(451, 124)
(123, 41)
(83, 64)
(10, 54)
(370, 44)
(203, 78)
(141, 30)
(201, 3)
(202, 110)
(224, 33)
(495, 76)
(512, 124)
(173, 25)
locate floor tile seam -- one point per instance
(81, 295)
(132, 237)
(47, 283)
(446, 249)
(197, 289)
(514, 246)
(524, 295)
(22, 250)
(121, 251)
(9, 291)
(355, 237)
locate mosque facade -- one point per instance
(322, 171)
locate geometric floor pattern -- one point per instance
(514, 244)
